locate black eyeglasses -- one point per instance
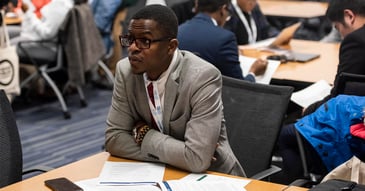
(141, 43)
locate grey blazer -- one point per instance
(192, 118)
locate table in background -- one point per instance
(322, 68)
(91, 167)
(294, 9)
(12, 20)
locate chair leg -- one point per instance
(108, 73)
(82, 96)
(44, 74)
(302, 154)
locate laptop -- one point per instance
(284, 38)
(285, 35)
(301, 57)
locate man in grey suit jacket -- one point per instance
(183, 124)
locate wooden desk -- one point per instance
(294, 9)
(12, 20)
(322, 68)
(91, 167)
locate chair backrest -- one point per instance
(11, 161)
(254, 114)
(351, 84)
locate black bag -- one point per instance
(338, 185)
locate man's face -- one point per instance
(247, 5)
(343, 28)
(153, 60)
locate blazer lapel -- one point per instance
(171, 95)
(141, 99)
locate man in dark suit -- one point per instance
(350, 22)
(204, 36)
(348, 17)
(248, 22)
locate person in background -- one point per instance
(34, 28)
(15, 7)
(167, 104)
(351, 25)
(184, 10)
(104, 12)
(348, 17)
(248, 23)
(205, 36)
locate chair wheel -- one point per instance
(83, 103)
(66, 115)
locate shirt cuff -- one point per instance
(253, 74)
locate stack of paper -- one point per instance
(141, 176)
(131, 173)
(311, 94)
(132, 176)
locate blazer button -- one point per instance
(320, 146)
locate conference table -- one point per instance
(293, 9)
(90, 167)
(322, 68)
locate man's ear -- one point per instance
(173, 44)
(221, 10)
(349, 16)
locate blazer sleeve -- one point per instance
(228, 57)
(119, 140)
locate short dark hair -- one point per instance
(163, 15)
(336, 7)
(211, 6)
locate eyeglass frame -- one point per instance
(138, 42)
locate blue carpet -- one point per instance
(50, 140)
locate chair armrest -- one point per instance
(265, 173)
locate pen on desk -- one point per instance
(167, 186)
(202, 177)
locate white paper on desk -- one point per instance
(311, 94)
(246, 63)
(93, 185)
(181, 185)
(131, 173)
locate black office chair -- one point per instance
(11, 157)
(73, 52)
(254, 114)
(351, 84)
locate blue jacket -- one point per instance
(328, 128)
(104, 12)
(212, 43)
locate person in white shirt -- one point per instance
(34, 28)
